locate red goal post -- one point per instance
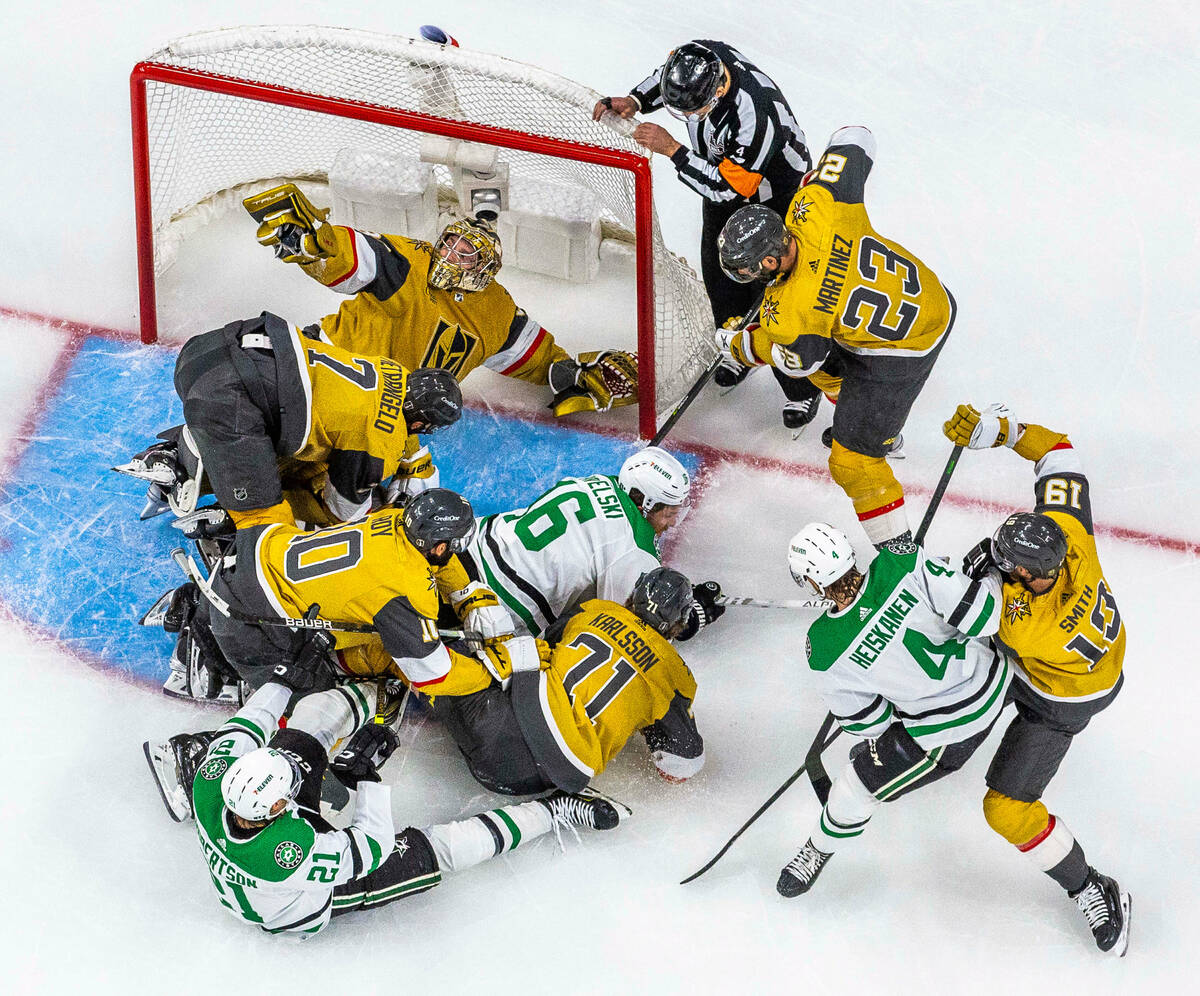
(221, 110)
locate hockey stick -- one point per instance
(762, 603)
(189, 567)
(830, 729)
(817, 774)
(705, 377)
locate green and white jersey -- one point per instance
(281, 879)
(912, 647)
(582, 539)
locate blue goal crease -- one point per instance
(76, 562)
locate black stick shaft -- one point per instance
(817, 774)
(705, 377)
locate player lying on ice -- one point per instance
(274, 862)
(285, 428)
(434, 305)
(611, 672)
(587, 537)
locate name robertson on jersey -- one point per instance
(222, 869)
(835, 275)
(889, 623)
(392, 398)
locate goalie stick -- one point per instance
(704, 378)
(830, 729)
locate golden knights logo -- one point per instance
(800, 210)
(449, 347)
(1017, 607)
(769, 312)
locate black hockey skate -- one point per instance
(801, 872)
(174, 765)
(797, 414)
(582, 810)
(1107, 909)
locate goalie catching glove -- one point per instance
(594, 382)
(291, 223)
(994, 426)
(508, 655)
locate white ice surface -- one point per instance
(1042, 158)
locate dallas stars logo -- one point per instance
(289, 854)
(769, 312)
(1017, 607)
(214, 769)
(401, 846)
(800, 210)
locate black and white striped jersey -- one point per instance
(749, 146)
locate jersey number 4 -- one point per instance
(872, 305)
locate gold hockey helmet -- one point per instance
(466, 256)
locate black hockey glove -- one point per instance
(310, 669)
(978, 560)
(705, 609)
(364, 755)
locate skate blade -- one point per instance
(154, 506)
(154, 475)
(158, 611)
(798, 433)
(173, 796)
(1122, 944)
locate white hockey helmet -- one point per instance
(660, 478)
(256, 781)
(820, 555)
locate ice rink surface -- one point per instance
(1040, 157)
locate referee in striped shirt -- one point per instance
(746, 148)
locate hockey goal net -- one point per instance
(218, 111)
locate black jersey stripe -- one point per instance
(530, 592)
(303, 920)
(985, 689)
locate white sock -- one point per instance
(846, 814)
(464, 843)
(330, 716)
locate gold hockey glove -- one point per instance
(602, 380)
(480, 610)
(994, 426)
(502, 657)
(288, 221)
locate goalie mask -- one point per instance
(466, 257)
(256, 781)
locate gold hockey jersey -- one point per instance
(367, 572)
(394, 312)
(849, 284)
(610, 675)
(1069, 642)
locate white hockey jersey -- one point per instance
(582, 539)
(282, 878)
(912, 647)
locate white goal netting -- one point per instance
(203, 144)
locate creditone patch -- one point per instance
(78, 566)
